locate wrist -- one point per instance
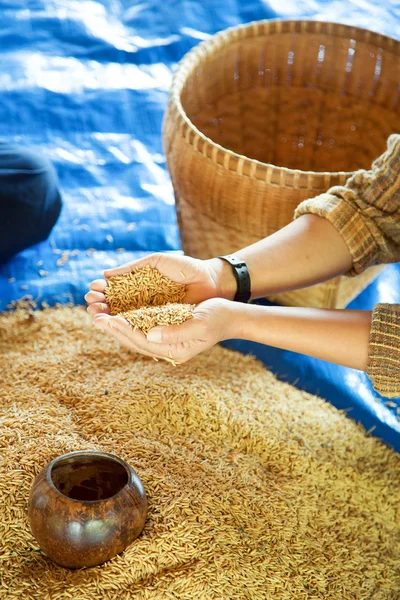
(238, 322)
(223, 278)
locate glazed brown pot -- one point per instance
(85, 507)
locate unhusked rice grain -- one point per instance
(257, 490)
(142, 287)
(150, 316)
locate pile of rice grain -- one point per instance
(143, 287)
(145, 298)
(256, 490)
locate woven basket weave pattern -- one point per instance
(317, 99)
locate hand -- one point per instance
(213, 321)
(204, 279)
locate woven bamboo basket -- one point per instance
(265, 115)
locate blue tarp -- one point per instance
(86, 82)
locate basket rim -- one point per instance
(271, 173)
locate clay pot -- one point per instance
(85, 507)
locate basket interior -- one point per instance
(307, 101)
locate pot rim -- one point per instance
(98, 453)
(265, 27)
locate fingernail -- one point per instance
(154, 335)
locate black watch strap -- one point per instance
(242, 277)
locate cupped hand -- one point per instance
(204, 279)
(213, 321)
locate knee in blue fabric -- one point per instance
(30, 200)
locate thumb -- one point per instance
(173, 334)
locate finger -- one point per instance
(139, 342)
(95, 297)
(193, 329)
(103, 322)
(175, 353)
(150, 260)
(121, 325)
(98, 285)
(109, 323)
(136, 335)
(98, 308)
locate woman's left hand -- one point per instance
(213, 321)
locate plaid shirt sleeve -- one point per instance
(384, 350)
(366, 213)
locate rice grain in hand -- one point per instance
(147, 317)
(145, 298)
(144, 287)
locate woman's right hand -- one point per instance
(204, 279)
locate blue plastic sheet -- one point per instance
(86, 83)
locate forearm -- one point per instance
(345, 230)
(305, 252)
(337, 336)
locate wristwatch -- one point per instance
(242, 277)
